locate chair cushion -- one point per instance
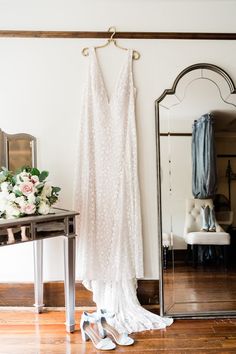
(207, 238)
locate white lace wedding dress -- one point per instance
(110, 253)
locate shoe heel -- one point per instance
(101, 330)
(84, 336)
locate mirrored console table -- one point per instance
(59, 222)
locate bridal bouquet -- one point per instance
(25, 193)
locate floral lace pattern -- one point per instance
(110, 252)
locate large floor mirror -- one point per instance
(198, 267)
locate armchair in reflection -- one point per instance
(202, 245)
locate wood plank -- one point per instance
(124, 35)
(22, 294)
(30, 333)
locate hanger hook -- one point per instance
(112, 29)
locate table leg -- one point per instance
(38, 275)
(69, 283)
(165, 255)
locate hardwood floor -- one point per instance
(23, 332)
(198, 290)
(22, 294)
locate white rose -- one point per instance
(4, 195)
(22, 177)
(3, 201)
(4, 186)
(20, 200)
(11, 197)
(3, 204)
(12, 211)
(31, 198)
(47, 191)
(44, 208)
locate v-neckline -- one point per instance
(109, 97)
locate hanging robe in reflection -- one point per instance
(204, 174)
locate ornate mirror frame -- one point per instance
(205, 70)
(7, 139)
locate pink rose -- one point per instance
(28, 209)
(26, 188)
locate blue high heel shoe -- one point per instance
(212, 220)
(205, 211)
(88, 332)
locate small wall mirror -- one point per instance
(17, 150)
(196, 283)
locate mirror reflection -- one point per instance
(19, 153)
(17, 150)
(197, 149)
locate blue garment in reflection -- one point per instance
(204, 174)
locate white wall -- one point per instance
(41, 83)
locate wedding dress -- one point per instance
(110, 253)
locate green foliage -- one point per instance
(35, 172)
(43, 175)
(5, 175)
(18, 193)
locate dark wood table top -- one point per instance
(59, 222)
